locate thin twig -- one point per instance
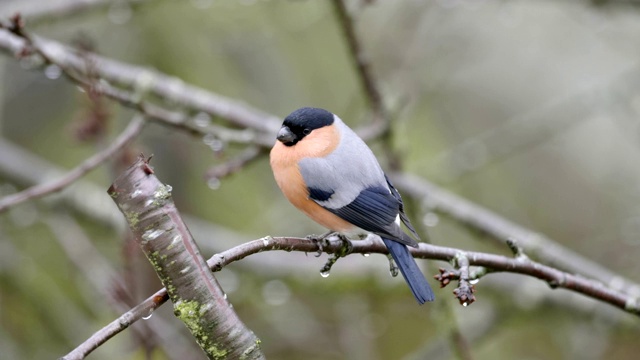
(360, 60)
(502, 230)
(107, 283)
(130, 132)
(498, 263)
(235, 164)
(143, 309)
(380, 126)
(143, 80)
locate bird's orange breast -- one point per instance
(284, 163)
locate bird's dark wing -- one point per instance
(403, 215)
(375, 209)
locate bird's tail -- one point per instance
(410, 271)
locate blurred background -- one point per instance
(529, 108)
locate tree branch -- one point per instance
(235, 164)
(380, 126)
(124, 321)
(535, 244)
(197, 298)
(144, 80)
(554, 277)
(260, 127)
(129, 133)
(360, 61)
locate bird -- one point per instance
(328, 172)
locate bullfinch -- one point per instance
(327, 172)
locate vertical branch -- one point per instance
(198, 299)
(360, 60)
(381, 119)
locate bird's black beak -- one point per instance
(285, 135)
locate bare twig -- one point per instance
(465, 290)
(144, 80)
(124, 321)
(235, 164)
(535, 244)
(259, 127)
(129, 133)
(553, 276)
(380, 126)
(557, 278)
(104, 278)
(360, 60)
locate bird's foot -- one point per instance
(320, 241)
(344, 250)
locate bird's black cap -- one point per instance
(302, 122)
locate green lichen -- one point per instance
(189, 313)
(162, 193)
(153, 259)
(171, 290)
(216, 353)
(133, 218)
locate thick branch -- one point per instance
(134, 128)
(198, 299)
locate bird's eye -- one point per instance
(306, 131)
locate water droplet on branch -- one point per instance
(53, 71)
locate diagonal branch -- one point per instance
(144, 80)
(233, 165)
(198, 300)
(130, 132)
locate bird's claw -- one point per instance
(320, 241)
